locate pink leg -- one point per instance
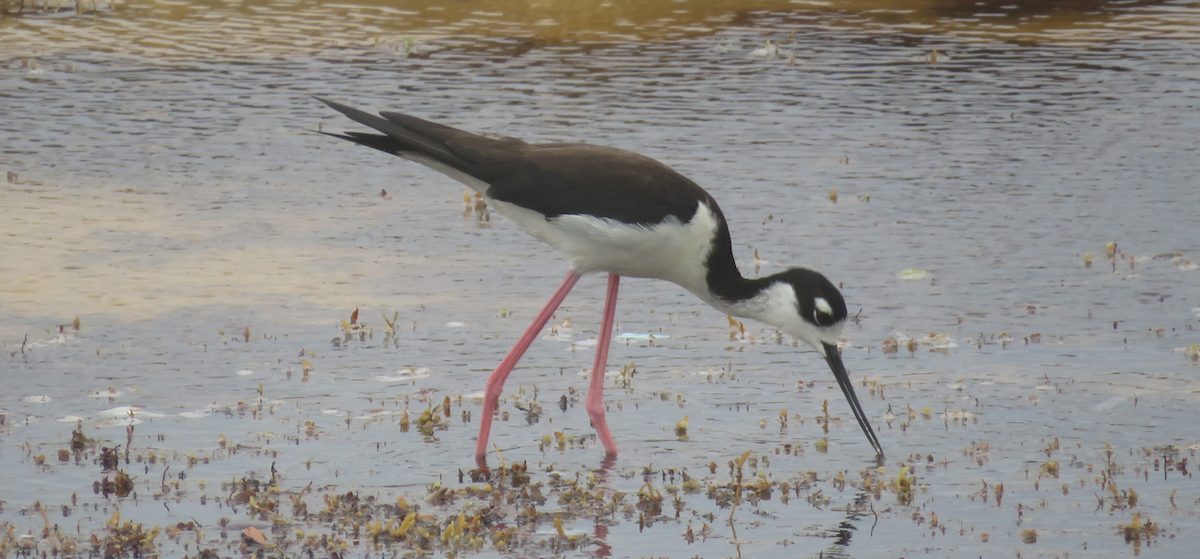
(495, 382)
(595, 397)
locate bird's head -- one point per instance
(808, 306)
(818, 312)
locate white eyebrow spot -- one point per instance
(823, 306)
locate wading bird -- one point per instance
(614, 211)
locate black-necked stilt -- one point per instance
(614, 211)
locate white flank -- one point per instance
(671, 250)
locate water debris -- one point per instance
(405, 375)
(37, 399)
(833, 195)
(933, 57)
(939, 343)
(912, 274)
(562, 332)
(354, 329)
(126, 539)
(390, 329)
(244, 373)
(737, 330)
(590, 342)
(958, 416)
(721, 48)
(1137, 531)
(429, 421)
(608, 372)
(759, 261)
(903, 486)
(200, 413)
(641, 336)
(109, 392)
(253, 536)
(475, 203)
(769, 50)
(129, 411)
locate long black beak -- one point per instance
(839, 371)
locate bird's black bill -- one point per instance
(839, 371)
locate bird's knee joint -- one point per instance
(595, 411)
(494, 386)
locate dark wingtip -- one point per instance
(345, 110)
(331, 134)
(349, 111)
(327, 102)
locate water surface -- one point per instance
(166, 189)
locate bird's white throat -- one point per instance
(778, 306)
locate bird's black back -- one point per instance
(551, 179)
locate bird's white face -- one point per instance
(814, 321)
(825, 324)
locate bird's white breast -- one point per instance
(670, 250)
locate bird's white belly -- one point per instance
(671, 250)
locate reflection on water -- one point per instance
(182, 30)
(163, 188)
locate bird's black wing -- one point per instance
(604, 182)
(551, 179)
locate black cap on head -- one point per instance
(819, 300)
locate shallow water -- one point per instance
(167, 191)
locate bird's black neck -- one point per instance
(724, 278)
